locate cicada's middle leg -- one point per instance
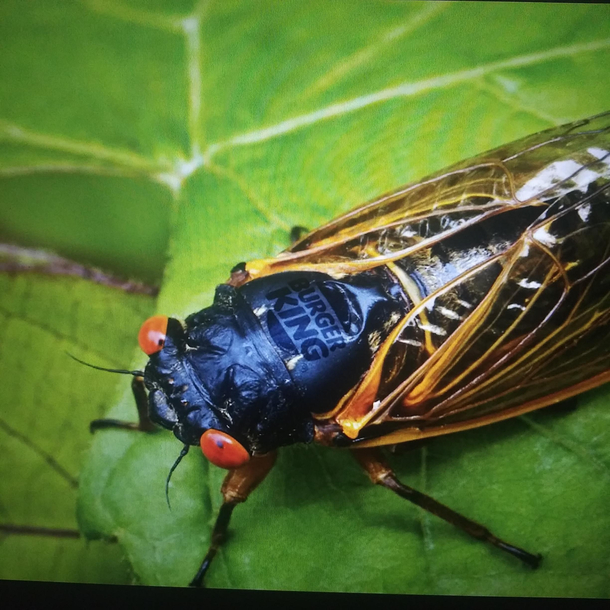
(296, 233)
(381, 474)
(144, 422)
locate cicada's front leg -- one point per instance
(381, 474)
(237, 486)
(144, 422)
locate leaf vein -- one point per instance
(75, 168)
(368, 53)
(59, 336)
(47, 457)
(259, 206)
(96, 151)
(124, 13)
(191, 28)
(517, 103)
(407, 89)
(424, 519)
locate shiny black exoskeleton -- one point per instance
(266, 355)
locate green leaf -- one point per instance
(48, 402)
(213, 128)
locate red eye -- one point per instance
(223, 450)
(152, 334)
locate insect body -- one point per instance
(478, 294)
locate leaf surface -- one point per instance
(48, 401)
(205, 131)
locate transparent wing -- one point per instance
(538, 327)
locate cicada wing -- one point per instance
(415, 217)
(540, 330)
(540, 334)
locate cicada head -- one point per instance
(214, 380)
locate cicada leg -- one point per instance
(144, 422)
(381, 474)
(297, 232)
(237, 486)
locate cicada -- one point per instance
(478, 294)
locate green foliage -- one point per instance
(48, 401)
(137, 133)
